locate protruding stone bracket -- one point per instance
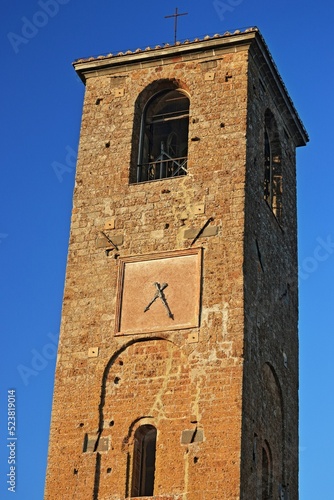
(104, 241)
(192, 436)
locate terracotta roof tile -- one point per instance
(166, 45)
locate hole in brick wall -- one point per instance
(166, 226)
(120, 362)
(195, 139)
(196, 460)
(81, 425)
(108, 144)
(116, 380)
(97, 102)
(111, 423)
(109, 470)
(85, 443)
(222, 125)
(254, 447)
(75, 472)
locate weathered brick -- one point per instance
(225, 377)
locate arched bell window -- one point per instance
(163, 150)
(272, 166)
(143, 469)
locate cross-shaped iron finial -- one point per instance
(176, 15)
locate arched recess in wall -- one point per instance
(273, 181)
(272, 424)
(160, 132)
(143, 386)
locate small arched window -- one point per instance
(163, 150)
(272, 166)
(266, 473)
(144, 461)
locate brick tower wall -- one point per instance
(270, 403)
(185, 379)
(187, 382)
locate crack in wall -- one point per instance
(158, 406)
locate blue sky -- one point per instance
(40, 121)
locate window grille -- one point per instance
(164, 137)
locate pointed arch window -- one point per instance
(144, 461)
(163, 150)
(272, 166)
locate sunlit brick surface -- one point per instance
(235, 377)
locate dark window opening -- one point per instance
(144, 461)
(272, 167)
(266, 476)
(164, 137)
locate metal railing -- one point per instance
(162, 168)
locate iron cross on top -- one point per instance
(176, 15)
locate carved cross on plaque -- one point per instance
(160, 294)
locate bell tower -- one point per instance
(177, 370)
